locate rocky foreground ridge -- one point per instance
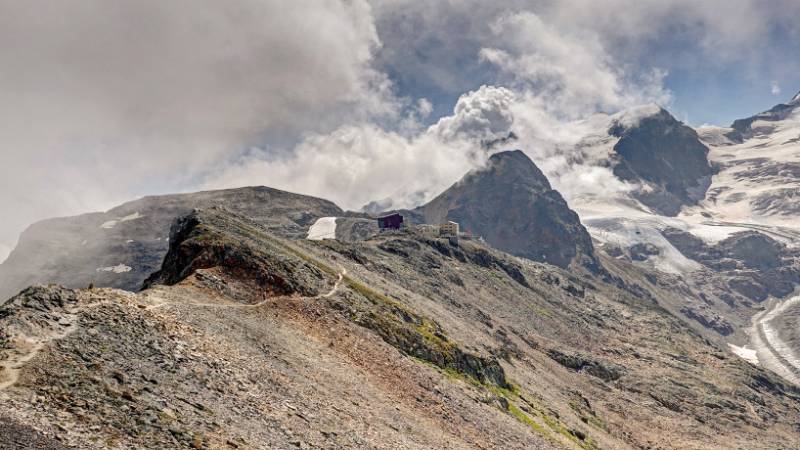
(247, 339)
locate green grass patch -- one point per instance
(524, 418)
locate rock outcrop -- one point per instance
(122, 247)
(743, 128)
(754, 264)
(666, 158)
(511, 204)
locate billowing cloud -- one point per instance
(101, 101)
(359, 163)
(556, 65)
(353, 100)
(478, 116)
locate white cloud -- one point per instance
(775, 88)
(573, 72)
(100, 101)
(359, 163)
(424, 107)
(5, 250)
(480, 115)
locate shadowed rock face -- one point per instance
(666, 156)
(121, 247)
(511, 204)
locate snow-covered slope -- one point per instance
(323, 228)
(734, 249)
(662, 168)
(758, 185)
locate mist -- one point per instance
(351, 100)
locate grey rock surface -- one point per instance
(122, 247)
(666, 156)
(512, 206)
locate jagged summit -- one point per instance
(515, 163)
(665, 157)
(511, 204)
(795, 100)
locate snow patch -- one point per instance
(119, 268)
(112, 223)
(133, 216)
(749, 355)
(711, 135)
(323, 228)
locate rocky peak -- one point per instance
(665, 157)
(743, 128)
(511, 204)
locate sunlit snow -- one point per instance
(119, 268)
(112, 223)
(749, 355)
(323, 228)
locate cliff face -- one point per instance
(511, 204)
(667, 157)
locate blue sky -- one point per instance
(719, 98)
(721, 58)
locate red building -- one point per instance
(390, 222)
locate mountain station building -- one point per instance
(390, 222)
(448, 229)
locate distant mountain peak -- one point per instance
(632, 117)
(742, 128)
(513, 154)
(516, 166)
(511, 204)
(663, 155)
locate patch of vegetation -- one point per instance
(524, 418)
(541, 311)
(588, 416)
(512, 395)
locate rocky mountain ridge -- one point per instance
(400, 340)
(603, 331)
(666, 157)
(121, 247)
